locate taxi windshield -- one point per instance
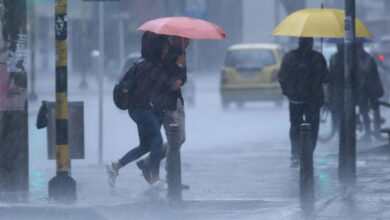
(250, 58)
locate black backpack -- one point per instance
(125, 87)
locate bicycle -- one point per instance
(328, 122)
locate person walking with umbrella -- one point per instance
(180, 30)
(173, 70)
(307, 66)
(142, 111)
(302, 73)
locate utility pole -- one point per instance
(276, 16)
(347, 151)
(33, 95)
(83, 83)
(101, 71)
(62, 187)
(121, 36)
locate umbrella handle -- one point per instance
(322, 7)
(182, 46)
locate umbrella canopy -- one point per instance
(317, 23)
(184, 27)
(359, 40)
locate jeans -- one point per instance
(300, 113)
(150, 139)
(172, 117)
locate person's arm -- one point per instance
(283, 70)
(180, 73)
(166, 79)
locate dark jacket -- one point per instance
(144, 81)
(368, 85)
(302, 73)
(166, 75)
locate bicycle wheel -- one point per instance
(327, 128)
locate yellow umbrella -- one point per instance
(317, 22)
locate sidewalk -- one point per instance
(369, 198)
(237, 168)
(226, 184)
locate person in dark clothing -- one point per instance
(368, 87)
(142, 111)
(169, 96)
(336, 85)
(302, 74)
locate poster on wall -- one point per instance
(13, 42)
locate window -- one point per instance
(250, 58)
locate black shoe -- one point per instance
(145, 171)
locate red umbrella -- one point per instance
(184, 27)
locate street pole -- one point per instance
(33, 95)
(121, 42)
(174, 165)
(83, 83)
(347, 152)
(276, 16)
(62, 188)
(101, 71)
(306, 177)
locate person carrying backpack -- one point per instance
(173, 71)
(141, 109)
(302, 73)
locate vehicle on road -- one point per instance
(250, 74)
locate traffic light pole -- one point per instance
(347, 153)
(62, 187)
(101, 71)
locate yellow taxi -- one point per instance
(250, 73)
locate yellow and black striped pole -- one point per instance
(62, 187)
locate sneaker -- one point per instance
(112, 174)
(142, 165)
(158, 185)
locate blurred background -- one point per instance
(243, 21)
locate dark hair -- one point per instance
(306, 42)
(152, 46)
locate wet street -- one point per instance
(236, 162)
